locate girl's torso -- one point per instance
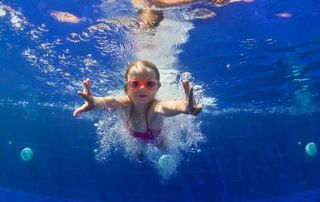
(145, 126)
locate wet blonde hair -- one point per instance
(140, 64)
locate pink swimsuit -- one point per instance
(150, 135)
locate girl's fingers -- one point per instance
(76, 112)
(192, 107)
(186, 86)
(83, 95)
(197, 109)
(89, 86)
(189, 96)
(86, 95)
(190, 100)
(86, 84)
(79, 110)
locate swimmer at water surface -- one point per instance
(144, 112)
(150, 15)
(166, 3)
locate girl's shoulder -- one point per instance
(155, 102)
(124, 101)
(154, 105)
(152, 110)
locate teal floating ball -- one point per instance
(167, 162)
(26, 154)
(311, 149)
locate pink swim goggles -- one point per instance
(148, 84)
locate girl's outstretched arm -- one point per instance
(187, 106)
(91, 102)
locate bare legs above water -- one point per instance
(166, 3)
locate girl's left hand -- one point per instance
(192, 107)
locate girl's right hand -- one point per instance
(88, 99)
(191, 105)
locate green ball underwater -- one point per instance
(311, 149)
(26, 154)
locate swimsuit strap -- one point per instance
(130, 111)
(147, 111)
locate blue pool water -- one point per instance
(256, 71)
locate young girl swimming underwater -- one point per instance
(144, 112)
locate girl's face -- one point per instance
(142, 84)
